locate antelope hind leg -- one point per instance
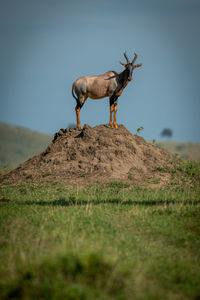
(80, 102)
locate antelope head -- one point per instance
(130, 66)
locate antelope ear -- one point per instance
(137, 66)
(123, 64)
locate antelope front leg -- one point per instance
(78, 117)
(114, 122)
(111, 112)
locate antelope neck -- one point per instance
(123, 78)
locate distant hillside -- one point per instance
(17, 144)
(189, 151)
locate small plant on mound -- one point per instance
(139, 129)
(130, 176)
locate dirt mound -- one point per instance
(100, 153)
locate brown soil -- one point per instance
(100, 153)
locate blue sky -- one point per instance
(46, 44)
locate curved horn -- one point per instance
(134, 59)
(128, 62)
(122, 63)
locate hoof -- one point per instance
(79, 127)
(115, 125)
(111, 125)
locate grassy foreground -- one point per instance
(111, 241)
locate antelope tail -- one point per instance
(73, 92)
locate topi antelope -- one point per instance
(111, 84)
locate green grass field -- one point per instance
(106, 241)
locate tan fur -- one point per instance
(98, 86)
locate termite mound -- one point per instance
(93, 154)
